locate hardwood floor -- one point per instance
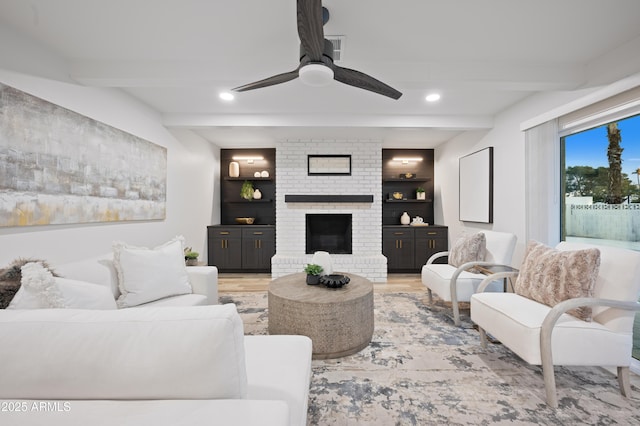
(396, 283)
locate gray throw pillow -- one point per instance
(550, 276)
(468, 248)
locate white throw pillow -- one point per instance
(84, 295)
(145, 275)
(37, 290)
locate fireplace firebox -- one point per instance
(328, 232)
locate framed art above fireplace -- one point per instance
(323, 165)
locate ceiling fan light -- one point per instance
(316, 75)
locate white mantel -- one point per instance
(365, 179)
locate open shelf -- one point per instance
(248, 201)
(406, 180)
(407, 201)
(270, 178)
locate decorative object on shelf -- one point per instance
(405, 219)
(190, 257)
(420, 193)
(407, 175)
(256, 174)
(313, 273)
(397, 195)
(234, 169)
(245, 220)
(257, 194)
(418, 221)
(334, 280)
(264, 174)
(246, 191)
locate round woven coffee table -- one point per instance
(339, 321)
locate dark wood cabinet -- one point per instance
(258, 247)
(225, 247)
(428, 241)
(236, 248)
(398, 247)
(407, 248)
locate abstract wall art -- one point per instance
(61, 167)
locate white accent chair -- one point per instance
(455, 285)
(546, 336)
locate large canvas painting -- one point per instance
(60, 167)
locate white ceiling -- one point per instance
(481, 55)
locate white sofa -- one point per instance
(100, 270)
(149, 366)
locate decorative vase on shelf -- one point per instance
(234, 169)
(405, 219)
(257, 194)
(421, 195)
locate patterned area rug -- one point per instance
(420, 370)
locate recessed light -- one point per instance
(432, 97)
(226, 96)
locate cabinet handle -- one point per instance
(398, 233)
(260, 244)
(432, 233)
(400, 243)
(257, 233)
(224, 232)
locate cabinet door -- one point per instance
(258, 247)
(430, 240)
(225, 248)
(398, 247)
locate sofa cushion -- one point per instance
(145, 275)
(97, 270)
(468, 248)
(550, 276)
(84, 295)
(288, 376)
(152, 353)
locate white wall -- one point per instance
(509, 176)
(192, 166)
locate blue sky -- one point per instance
(589, 148)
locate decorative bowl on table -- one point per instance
(334, 280)
(245, 220)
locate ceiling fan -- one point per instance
(316, 57)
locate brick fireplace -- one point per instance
(357, 195)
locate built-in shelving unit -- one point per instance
(407, 247)
(238, 248)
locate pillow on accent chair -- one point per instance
(146, 275)
(550, 276)
(468, 248)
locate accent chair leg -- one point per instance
(550, 384)
(456, 312)
(483, 337)
(623, 381)
(429, 296)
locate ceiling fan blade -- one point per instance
(364, 81)
(310, 28)
(271, 81)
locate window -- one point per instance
(601, 186)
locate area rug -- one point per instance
(421, 370)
